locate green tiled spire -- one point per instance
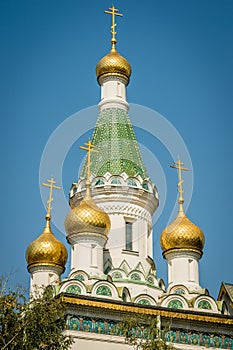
(118, 148)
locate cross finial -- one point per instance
(179, 167)
(114, 12)
(89, 148)
(51, 185)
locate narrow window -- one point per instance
(128, 236)
(93, 255)
(119, 89)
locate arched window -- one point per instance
(175, 304)
(145, 186)
(204, 304)
(99, 182)
(116, 275)
(150, 280)
(135, 277)
(116, 182)
(179, 291)
(104, 290)
(144, 302)
(131, 182)
(79, 277)
(73, 289)
(128, 235)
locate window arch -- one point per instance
(73, 289)
(135, 277)
(179, 291)
(132, 183)
(150, 280)
(204, 304)
(144, 302)
(116, 181)
(117, 275)
(104, 290)
(145, 186)
(175, 304)
(79, 277)
(99, 182)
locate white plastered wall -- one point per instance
(183, 269)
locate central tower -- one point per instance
(119, 181)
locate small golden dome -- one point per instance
(46, 249)
(87, 217)
(113, 64)
(182, 234)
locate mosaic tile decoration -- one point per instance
(109, 327)
(118, 148)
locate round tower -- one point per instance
(119, 180)
(113, 72)
(46, 256)
(87, 227)
(182, 243)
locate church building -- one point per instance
(109, 230)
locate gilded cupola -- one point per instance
(47, 249)
(87, 217)
(182, 234)
(113, 64)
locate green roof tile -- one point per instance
(118, 148)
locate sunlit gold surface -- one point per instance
(114, 12)
(87, 217)
(182, 233)
(179, 167)
(89, 147)
(51, 185)
(46, 249)
(113, 64)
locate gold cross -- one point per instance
(114, 12)
(51, 185)
(179, 167)
(89, 149)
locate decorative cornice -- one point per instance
(170, 253)
(123, 199)
(45, 267)
(149, 310)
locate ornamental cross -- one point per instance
(51, 185)
(179, 167)
(89, 149)
(114, 12)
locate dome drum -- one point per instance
(113, 76)
(46, 266)
(183, 251)
(86, 237)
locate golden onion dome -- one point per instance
(46, 249)
(113, 64)
(87, 217)
(182, 234)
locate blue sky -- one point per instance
(181, 54)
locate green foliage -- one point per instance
(31, 325)
(143, 333)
